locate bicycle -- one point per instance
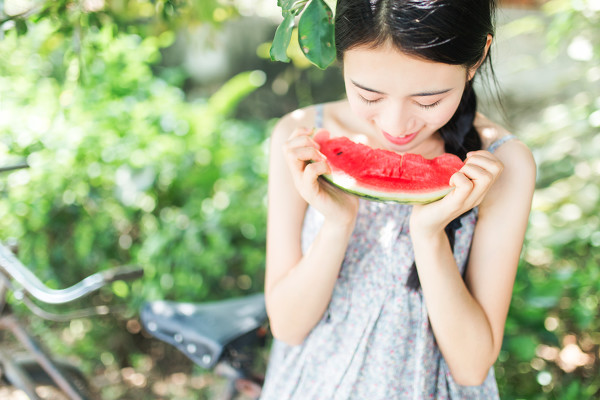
(39, 368)
(222, 336)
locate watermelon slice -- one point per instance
(383, 175)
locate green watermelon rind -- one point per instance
(344, 182)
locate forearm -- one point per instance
(459, 323)
(297, 301)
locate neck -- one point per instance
(432, 147)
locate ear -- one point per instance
(473, 70)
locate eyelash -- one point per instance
(428, 106)
(424, 106)
(368, 102)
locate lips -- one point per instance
(400, 140)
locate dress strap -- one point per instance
(319, 112)
(500, 142)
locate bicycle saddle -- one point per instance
(202, 330)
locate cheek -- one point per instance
(360, 108)
(444, 113)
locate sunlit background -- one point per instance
(146, 127)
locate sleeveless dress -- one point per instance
(375, 341)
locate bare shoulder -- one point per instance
(334, 117)
(519, 168)
(512, 151)
(300, 118)
(489, 131)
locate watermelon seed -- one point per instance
(339, 153)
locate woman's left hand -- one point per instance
(471, 184)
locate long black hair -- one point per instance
(445, 31)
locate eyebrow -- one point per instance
(420, 94)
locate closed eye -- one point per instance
(367, 101)
(428, 106)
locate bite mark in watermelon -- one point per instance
(383, 175)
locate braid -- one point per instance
(459, 134)
(460, 137)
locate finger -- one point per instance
(487, 161)
(478, 174)
(483, 160)
(301, 141)
(316, 169)
(310, 182)
(299, 160)
(299, 157)
(484, 153)
(481, 180)
(463, 186)
(301, 131)
(466, 195)
(305, 153)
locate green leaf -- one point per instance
(294, 7)
(21, 26)
(316, 34)
(286, 6)
(282, 39)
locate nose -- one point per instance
(398, 120)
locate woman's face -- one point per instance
(407, 99)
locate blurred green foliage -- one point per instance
(123, 169)
(552, 340)
(126, 169)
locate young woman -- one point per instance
(371, 300)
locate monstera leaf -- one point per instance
(315, 31)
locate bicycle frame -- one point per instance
(28, 285)
(19, 377)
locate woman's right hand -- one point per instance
(306, 164)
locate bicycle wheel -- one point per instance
(47, 388)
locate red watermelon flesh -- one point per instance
(384, 175)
